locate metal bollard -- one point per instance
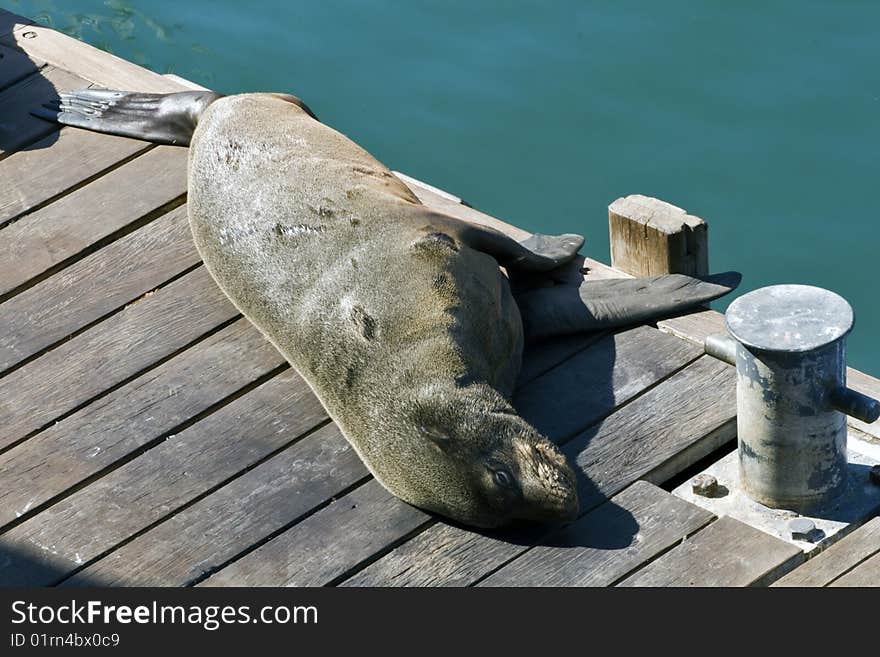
(791, 393)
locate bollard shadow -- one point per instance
(24, 88)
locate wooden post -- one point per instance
(650, 237)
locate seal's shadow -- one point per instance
(23, 87)
(567, 404)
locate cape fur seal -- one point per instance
(396, 315)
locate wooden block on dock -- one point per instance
(726, 553)
(844, 556)
(650, 237)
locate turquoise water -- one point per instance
(760, 117)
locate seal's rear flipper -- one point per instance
(160, 118)
(610, 303)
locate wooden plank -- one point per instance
(57, 234)
(200, 539)
(865, 574)
(59, 162)
(94, 286)
(110, 352)
(86, 61)
(15, 65)
(726, 553)
(638, 358)
(325, 546)
(539, 358)
(176, 472)
(608, 543)
(655, 431)
(643, 436)
(650, 237)
(123, 422)
(18, 127)
(838, 559)
(696, 326)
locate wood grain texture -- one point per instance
(58, 162)
(221, 526)
(326, 545)
(86, 61)
(154, 485)
(650, 237)
(633, 445)
(654, 430)
(696, 326)
(726, 553)
(595, 380)
(63, 230)
(95, 286)
(866, 574)
(124, 421)
(16, 65)
(19, 127)
(608, 543)
(837, 560)
(109, 352)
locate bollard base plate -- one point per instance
(860, 502)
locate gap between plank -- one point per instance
(96, 246)
(198, 498)
(95, 322)
(142, 449)
(76, 186)
(121, 383)
(277, 532)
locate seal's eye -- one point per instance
(503, 478)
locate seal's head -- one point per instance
(471, 458)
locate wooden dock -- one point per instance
(151, 436)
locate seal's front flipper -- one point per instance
(160, 118)
(557, 248)
(538, 253)
(602, 304)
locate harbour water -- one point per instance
(762, 118)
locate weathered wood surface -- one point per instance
(650, 237)
(110, 352)
(127, 420)
(220, 527)
(608, 543)
(726, 553)
(82, 59)
(698, 325)
(325, 546)
(597, 379)
(844, 556)
(159, 482)
(865, 574)
(94, 286)
(56, 164)
(632, 443)
(19, 127)
(51, 237)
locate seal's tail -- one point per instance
(160, 118)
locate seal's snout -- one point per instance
(549, 483)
